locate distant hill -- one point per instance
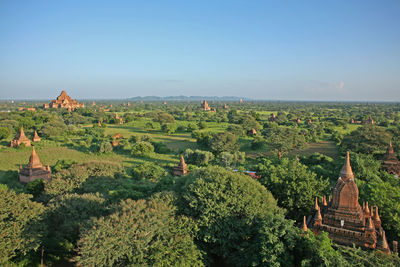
(186, 98)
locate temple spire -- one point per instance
(324, 201)
(34, 161)
(366, 210)
(305, 228)
(376, 217)
(316, 207)
(182, 161)
(370, 225)
(346, 172)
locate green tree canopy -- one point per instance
(226, 206)
(142, 233)
(224, 142)
(368, 139)
(292, 184)
(20, 224)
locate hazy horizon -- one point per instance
(262, 50)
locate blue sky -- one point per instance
(286, 50)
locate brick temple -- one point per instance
(20, 138)
(34, 170)
(343, 218)
(64, 101)
(390, 163)
(181, 169)
(205, 106)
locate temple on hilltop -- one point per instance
(65, 101)
(181, 169)
(20, 138)
(205, 106)
(36, 137)
(343, 218)
(390, 163)
(34, 170)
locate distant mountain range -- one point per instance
(186, 98)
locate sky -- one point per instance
(274, 50)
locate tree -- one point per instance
(283, 139)
(54, 128)
(105, 147)
(4, 133)
(227, 159)
(163, 117)
(20, 224)
(235, 129)
(148, 171)
(142, 148)
(292, 184)
(198, 157)
(368, 139)
(142, 233)
(225, 206)
(224, 142)
(168, 128)
(67, 215)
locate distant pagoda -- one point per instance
(343, 218)
(36, 137)
(34, 170)
(205, 106)
(181, 169)
(390, 163)
(20, 138)
(65, 101)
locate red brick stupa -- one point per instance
(34, 170)
(343, 218)
(20, 138)
(390, 163)
(181, 169)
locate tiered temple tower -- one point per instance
(205, 106)
(65, 101)
(390, 163)
(34, 170)
(20, 138)
(181, 169)
(343, 218)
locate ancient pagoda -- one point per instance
(65, 101)
(343, 218)
(20, 138)
(390, 163)
(205, 106)
(34, 170)
(36, 137)
(181, 169)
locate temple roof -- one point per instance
(346, 172)
(34, 161)
(21, 135)
(389, 155)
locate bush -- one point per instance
(148, 171)
(198, 157)
(105, 147)
(142, 148)
(4, 133)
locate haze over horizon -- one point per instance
(341, 50)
